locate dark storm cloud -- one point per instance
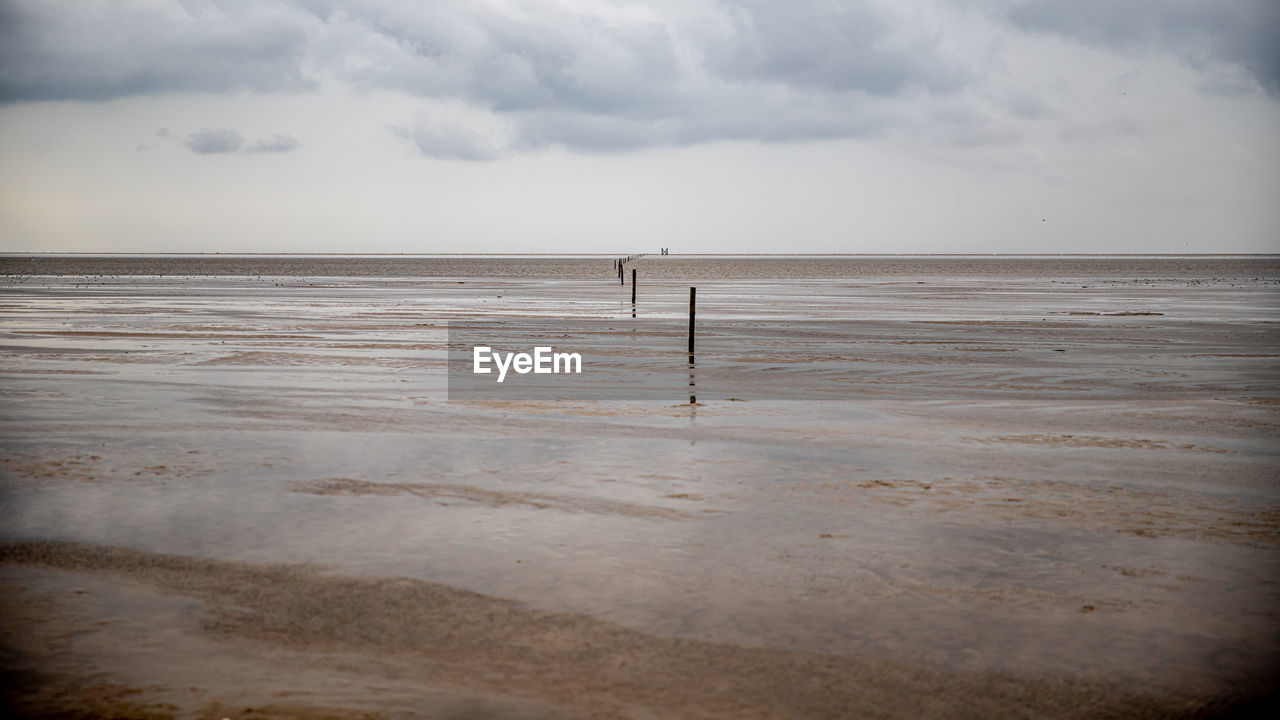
(213, 142)
(1241, 32)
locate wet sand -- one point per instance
(995, 488)
(501, 657)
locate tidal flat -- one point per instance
(901, 487)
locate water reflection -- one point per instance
(693, 394)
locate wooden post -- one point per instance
(693, 304)
(620, 280)
(633, 286)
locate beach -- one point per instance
(891, 486)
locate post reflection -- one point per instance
(693, 392)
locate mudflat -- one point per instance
(907, 487)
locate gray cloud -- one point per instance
(613, 76)
(450, 141)
(99, 51)
(213, 142)
(275, 144)
(614, 81)
(831, 46)
(1239, 32)
(549, 58)
(229, 140)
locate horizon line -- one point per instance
(217, 253)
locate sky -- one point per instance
(718, 126)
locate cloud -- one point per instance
(94, 50)
(1242, 33)
(275, 144)
(495, 78)
(455, 131)
(615, 77)
(213, 142)
(229, 140)
(834, 47)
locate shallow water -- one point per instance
(1037, 465)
